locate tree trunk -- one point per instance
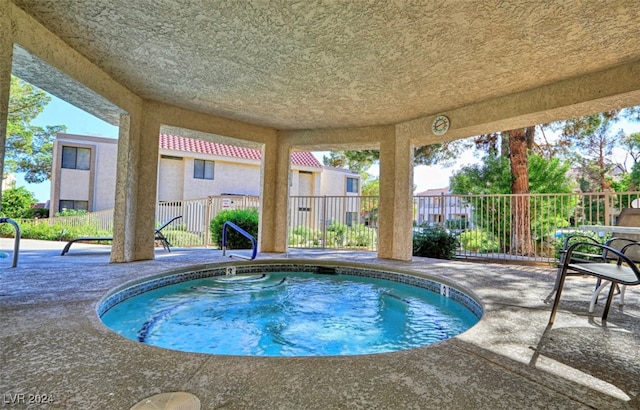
(602, 167)
(521, 240)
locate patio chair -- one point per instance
(158, 236)
(627, 217)
(615, 266)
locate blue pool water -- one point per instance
(289, 314)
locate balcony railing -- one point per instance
(487, 226)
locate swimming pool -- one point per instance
(289, 310)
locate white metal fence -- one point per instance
(334, 222)
(100, 222)
(486, 226)
(193, 228)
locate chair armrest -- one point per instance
(622, 244)
(565, 244)
(630, 245)
(619, 239)
(167, 223)
(620, 256)
(585, 255)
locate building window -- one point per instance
(66, 204)
(437, 218)
(172, 157)
(352, 185)
(76, 158)
(203, 169)
(351, 218)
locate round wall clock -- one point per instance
(440, 125)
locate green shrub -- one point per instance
(17, 203)
(39, 213)
(7, 231)
(71, 212)
(306, 236)
(180, 238)
(361, 236)
(336, 234)
(295, 239)
(173, 227)
(44, 231)
(41, 229)
(479, 241)
(246, 219)
(457, 224)
(434, 242)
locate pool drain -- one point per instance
(169, 401)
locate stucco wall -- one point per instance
(334, 181)
(237, 178)
(305, 183)
(105, 174)
(171, 178)
(74, 184)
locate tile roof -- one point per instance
(176, 143)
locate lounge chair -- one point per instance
(159, 236)
(616, 266)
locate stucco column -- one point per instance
(6, 55)
(396, 204)
(274, 180)
(136, 188)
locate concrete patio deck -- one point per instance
(54, 344)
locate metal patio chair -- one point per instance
(159, 236)
(627, 217)
(615, 266)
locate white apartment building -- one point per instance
(84, 172)
(438, 206)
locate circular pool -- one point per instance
(289, 310)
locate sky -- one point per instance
(77, 121)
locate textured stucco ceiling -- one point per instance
(323, 64)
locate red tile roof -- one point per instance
(305, 159)
(176, 143)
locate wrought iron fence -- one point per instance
(506, 227)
